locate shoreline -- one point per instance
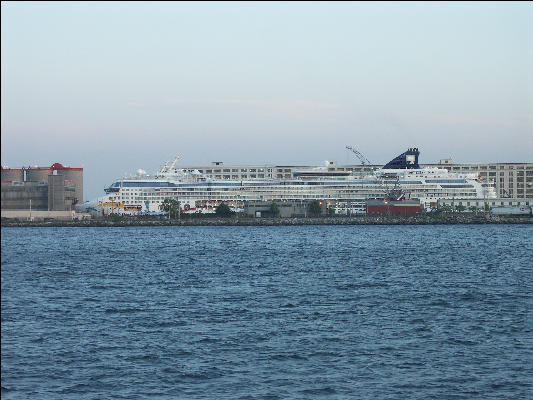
(442, 219)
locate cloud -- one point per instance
(483, 122)
(295, 109)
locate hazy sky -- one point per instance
(114, 87)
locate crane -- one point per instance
(361, 157)
(506, 194)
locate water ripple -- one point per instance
(371, 312)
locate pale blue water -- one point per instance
(340, 312)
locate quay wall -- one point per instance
(39, 215)
(240, 221)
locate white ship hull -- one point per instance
(345, 194)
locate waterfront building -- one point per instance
(512, 180)
(54, 188)
(286, 209)
(484, 204)
(393, 206)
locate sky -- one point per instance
(114, 87)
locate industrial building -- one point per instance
(54, 188)
(393, 207)
(484, 204)
(512, 180)
(286, 209)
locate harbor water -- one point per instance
(283, 312)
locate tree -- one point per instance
(445, 208)
(460, 208)
(223, 210)
(116, 217)
(171, 206)
(473, 209)
(315, 208)
(274, 209)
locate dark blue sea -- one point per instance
(306, 312)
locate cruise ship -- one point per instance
(345, 192)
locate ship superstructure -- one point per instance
(345, 192)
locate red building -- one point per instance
(393, 207)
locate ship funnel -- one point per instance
(407, 160)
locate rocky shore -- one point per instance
(437, 219)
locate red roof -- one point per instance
(61, 166)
